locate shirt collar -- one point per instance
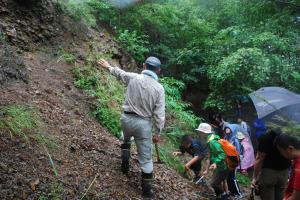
(150, 73)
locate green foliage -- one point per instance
(243, 179)
(55, 192)
(246, 68)
(89, 11)
(25, 123)
(42, 197)
(177, 110)
(267, 28)
(227, 48)
(85, 78)
(67, 56)
(267, 61)
(198, 39)
(78, 10)
(19, 121)
(294, 80)
(174, 32)
(179, 121)
(173, 88)
(108, 93)
(166, 151)
(104, 11)
(134, 44)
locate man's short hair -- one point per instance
(151, 67)
(186, 139)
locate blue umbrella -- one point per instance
(271, 101)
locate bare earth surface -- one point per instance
(85, 148)
(33, 75)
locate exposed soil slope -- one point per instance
(41, 80)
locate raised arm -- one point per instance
(125, 77)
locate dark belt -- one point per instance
(130, 113)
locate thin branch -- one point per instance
(89, 186)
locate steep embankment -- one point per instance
(34, 75)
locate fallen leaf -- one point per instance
(34, 183)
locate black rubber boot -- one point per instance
(125, 157)
(147, 185)
(218, 193)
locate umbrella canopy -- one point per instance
(269, 101)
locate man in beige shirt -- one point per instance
(144, 105)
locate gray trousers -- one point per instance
(272, 184)
(141, 130)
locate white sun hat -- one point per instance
(205, 128)
(240, 135)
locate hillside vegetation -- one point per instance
(59, 113)
(226, 48)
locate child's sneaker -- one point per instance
(224, 196)
(220, 197)
(238, 196)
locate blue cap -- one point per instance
(153, 61)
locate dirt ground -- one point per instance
(87, 156)
(86, 150)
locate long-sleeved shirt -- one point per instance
(197, 148)
(217, 154)
(145, 96)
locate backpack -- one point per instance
(232, 156)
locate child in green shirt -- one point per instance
(217, 159)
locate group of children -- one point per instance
(228, 147)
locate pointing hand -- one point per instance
(103, 63)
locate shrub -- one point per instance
(179, 121)
(78, 10)
(18, 120)
(69, 57)
(108, 93)
(134, 44)
(85, 78)
(241, 71)
(177, 111)
(197, 38)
